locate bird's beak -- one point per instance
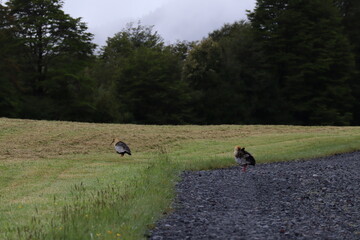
(112, 142)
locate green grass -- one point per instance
(62, 180)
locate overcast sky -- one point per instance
(173, 19)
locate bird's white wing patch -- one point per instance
(119, 148)
(239, 160)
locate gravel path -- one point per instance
(314, 199)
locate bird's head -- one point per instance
(237, 148)
(114, 141)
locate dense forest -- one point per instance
(289, 62)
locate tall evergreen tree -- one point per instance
(147, 77)
(10, 66)
(309, 58)
(224, 71)
(350, 10)
(56, 49)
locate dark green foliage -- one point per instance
(294, 62)
(50, 36)
(215, 93)
(223, 69)
(10, 66)
(151, 89)
(350, 10)
(146, 77)
(309, 57)
(54, 50)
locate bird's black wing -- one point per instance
(121, 147)
(249, 158)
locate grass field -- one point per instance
(63, 180)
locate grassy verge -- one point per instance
(62, 180)
(120, 205)
(111, 212)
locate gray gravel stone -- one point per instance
(313, 199)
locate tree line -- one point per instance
(290, 62)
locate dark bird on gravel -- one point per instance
(120, 147)
(243, 158)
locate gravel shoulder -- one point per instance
(312, 199)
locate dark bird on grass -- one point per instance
(120, 147)
(243, 158)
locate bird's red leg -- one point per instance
(244, 168)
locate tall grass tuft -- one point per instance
(113, 212)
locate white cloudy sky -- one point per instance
(173, 19)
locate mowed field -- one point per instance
(63, 180)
